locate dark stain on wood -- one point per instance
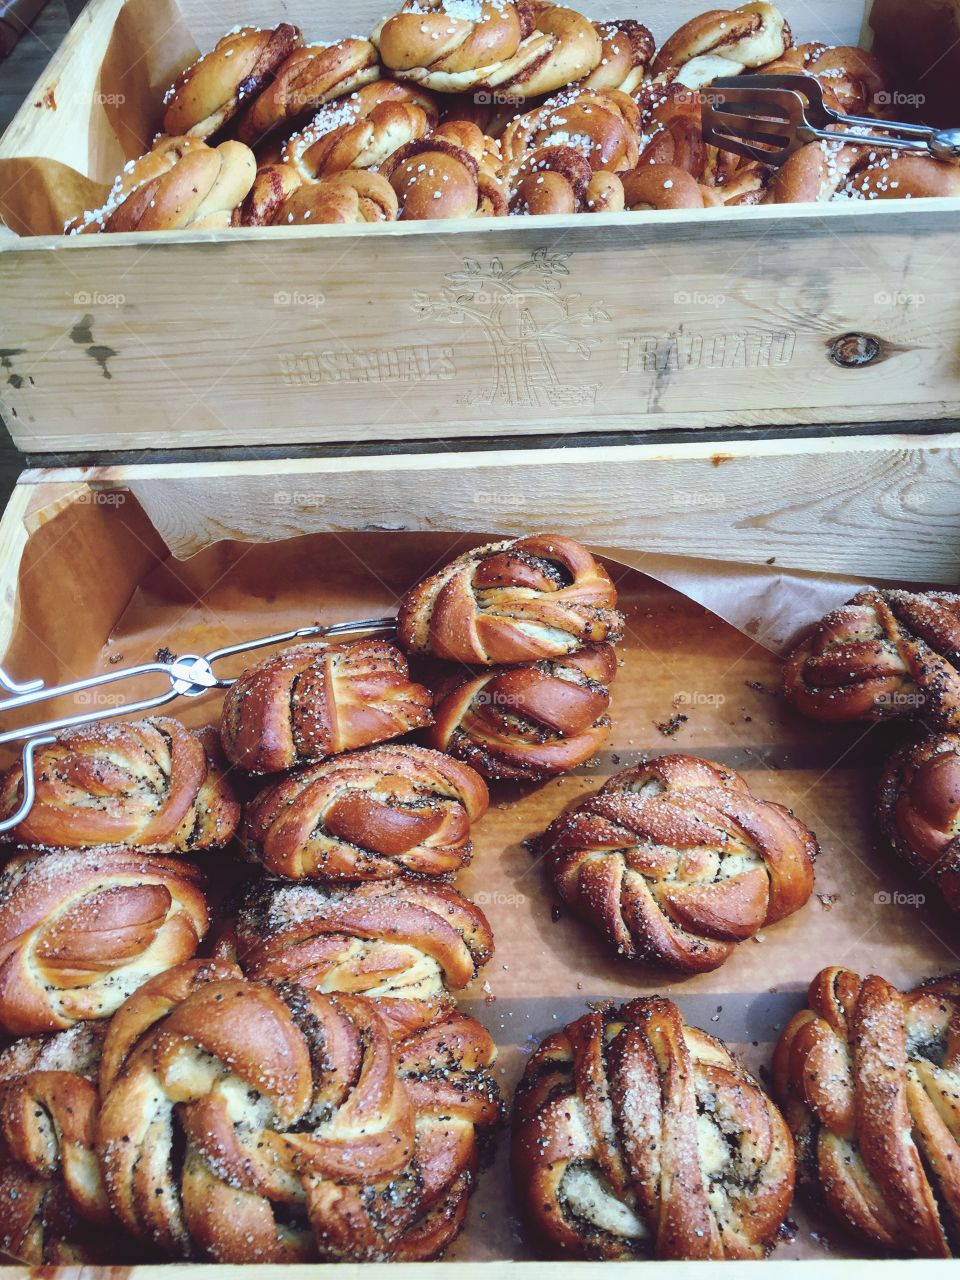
(48, 101)
(6, 366)
(861, 350)
(82, 335)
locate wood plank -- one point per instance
(774, 1269)
(638, 323)
(719, 317)
(863, 506)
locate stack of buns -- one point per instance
(456, 109)
(283, 1076)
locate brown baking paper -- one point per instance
(688, 682)
(119, 102)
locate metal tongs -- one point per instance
(768, 118)
(186, 677)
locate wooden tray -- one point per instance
(299, 334)
(87, 575)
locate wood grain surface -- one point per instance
(865, 506)
(297, 335)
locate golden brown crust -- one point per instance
(549, 180)
(282, 1096)
(603, 126)
(79, 931)
(893, 176)
(406, 944)
(676, 861)
(451, 54)
(750, 36)
(356, 131)
(280, 197)
(149, 1004)
(181, 185)
(820, 171)
(672, 124)
(869, 1079)
(638, 1136)
(308, 78)
(522, 50)
(437, 177)
(662, 186)
(484, 149)
(827, 171)
(213, 89)
(516, 601)
(152, 785)
(359, 105)
(368, 815)
(627, 51)
(311, 701)
(854, 81)
(919, 811)
(529, 722)
(364, 144)
(886, 654)
(672, 116)
(50, 1184)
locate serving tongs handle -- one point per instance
(29, 783)
(189, 676)
(35, 691)
(782, 112)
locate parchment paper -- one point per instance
(679, 660)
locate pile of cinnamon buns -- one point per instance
(457, 109)
(271, 1066)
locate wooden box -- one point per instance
(88, 579)
(296, 335)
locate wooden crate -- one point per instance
(80, 547)
(295, 335)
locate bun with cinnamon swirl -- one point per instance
(80, 931)
(368, 815)
(307, 1129)
(147, 784)
(869, 1079)
(638, 1136)
(524, 599)
(311, 701)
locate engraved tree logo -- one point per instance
(526, 316)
